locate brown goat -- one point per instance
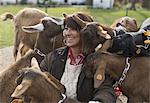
(50, 36)
(25, 17)
(136, 84)
(129, 23)
(8, 76)
(40, 87)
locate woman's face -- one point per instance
(72, 37)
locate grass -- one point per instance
(100, 15)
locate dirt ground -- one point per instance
(6, 59)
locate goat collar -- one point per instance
(39, 52)
(98, 47)
(114, 33)
(62, 100)
(124, 73)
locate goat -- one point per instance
(127, 23)
(50, 36)
(136, 83)
(8, 76)
(31, 82)
(24, 18)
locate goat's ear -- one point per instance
(34, 64)
(32, 29)
(99, 75)
(6, 16)
(22, 88)
(65, 15)
(103, 33)
(56, 83)
(79, 21)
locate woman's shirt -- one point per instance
(70, 78)
(71, 73)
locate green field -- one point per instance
(100, 15)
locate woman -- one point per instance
(65, 64)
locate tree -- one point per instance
(133, 2)
(16, 1)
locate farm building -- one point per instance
(70, 1)
(103, 4)
(14, 1)
(35, 1)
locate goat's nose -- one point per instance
(121, 32)
(118, 24)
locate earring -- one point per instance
(65, 41)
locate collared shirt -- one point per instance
(75, 60)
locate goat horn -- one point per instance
(79, 21)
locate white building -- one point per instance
(35, 1)
(103, 4)
(76, 1)
(32, 1)
(14, 1)
(70, 1)
(8, 1)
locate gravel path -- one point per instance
(6, 57)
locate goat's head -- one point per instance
(49, 26)
(125, 24)
(92, 34)
(31, 82)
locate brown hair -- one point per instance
(71, 23)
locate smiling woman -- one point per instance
(69, 60)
